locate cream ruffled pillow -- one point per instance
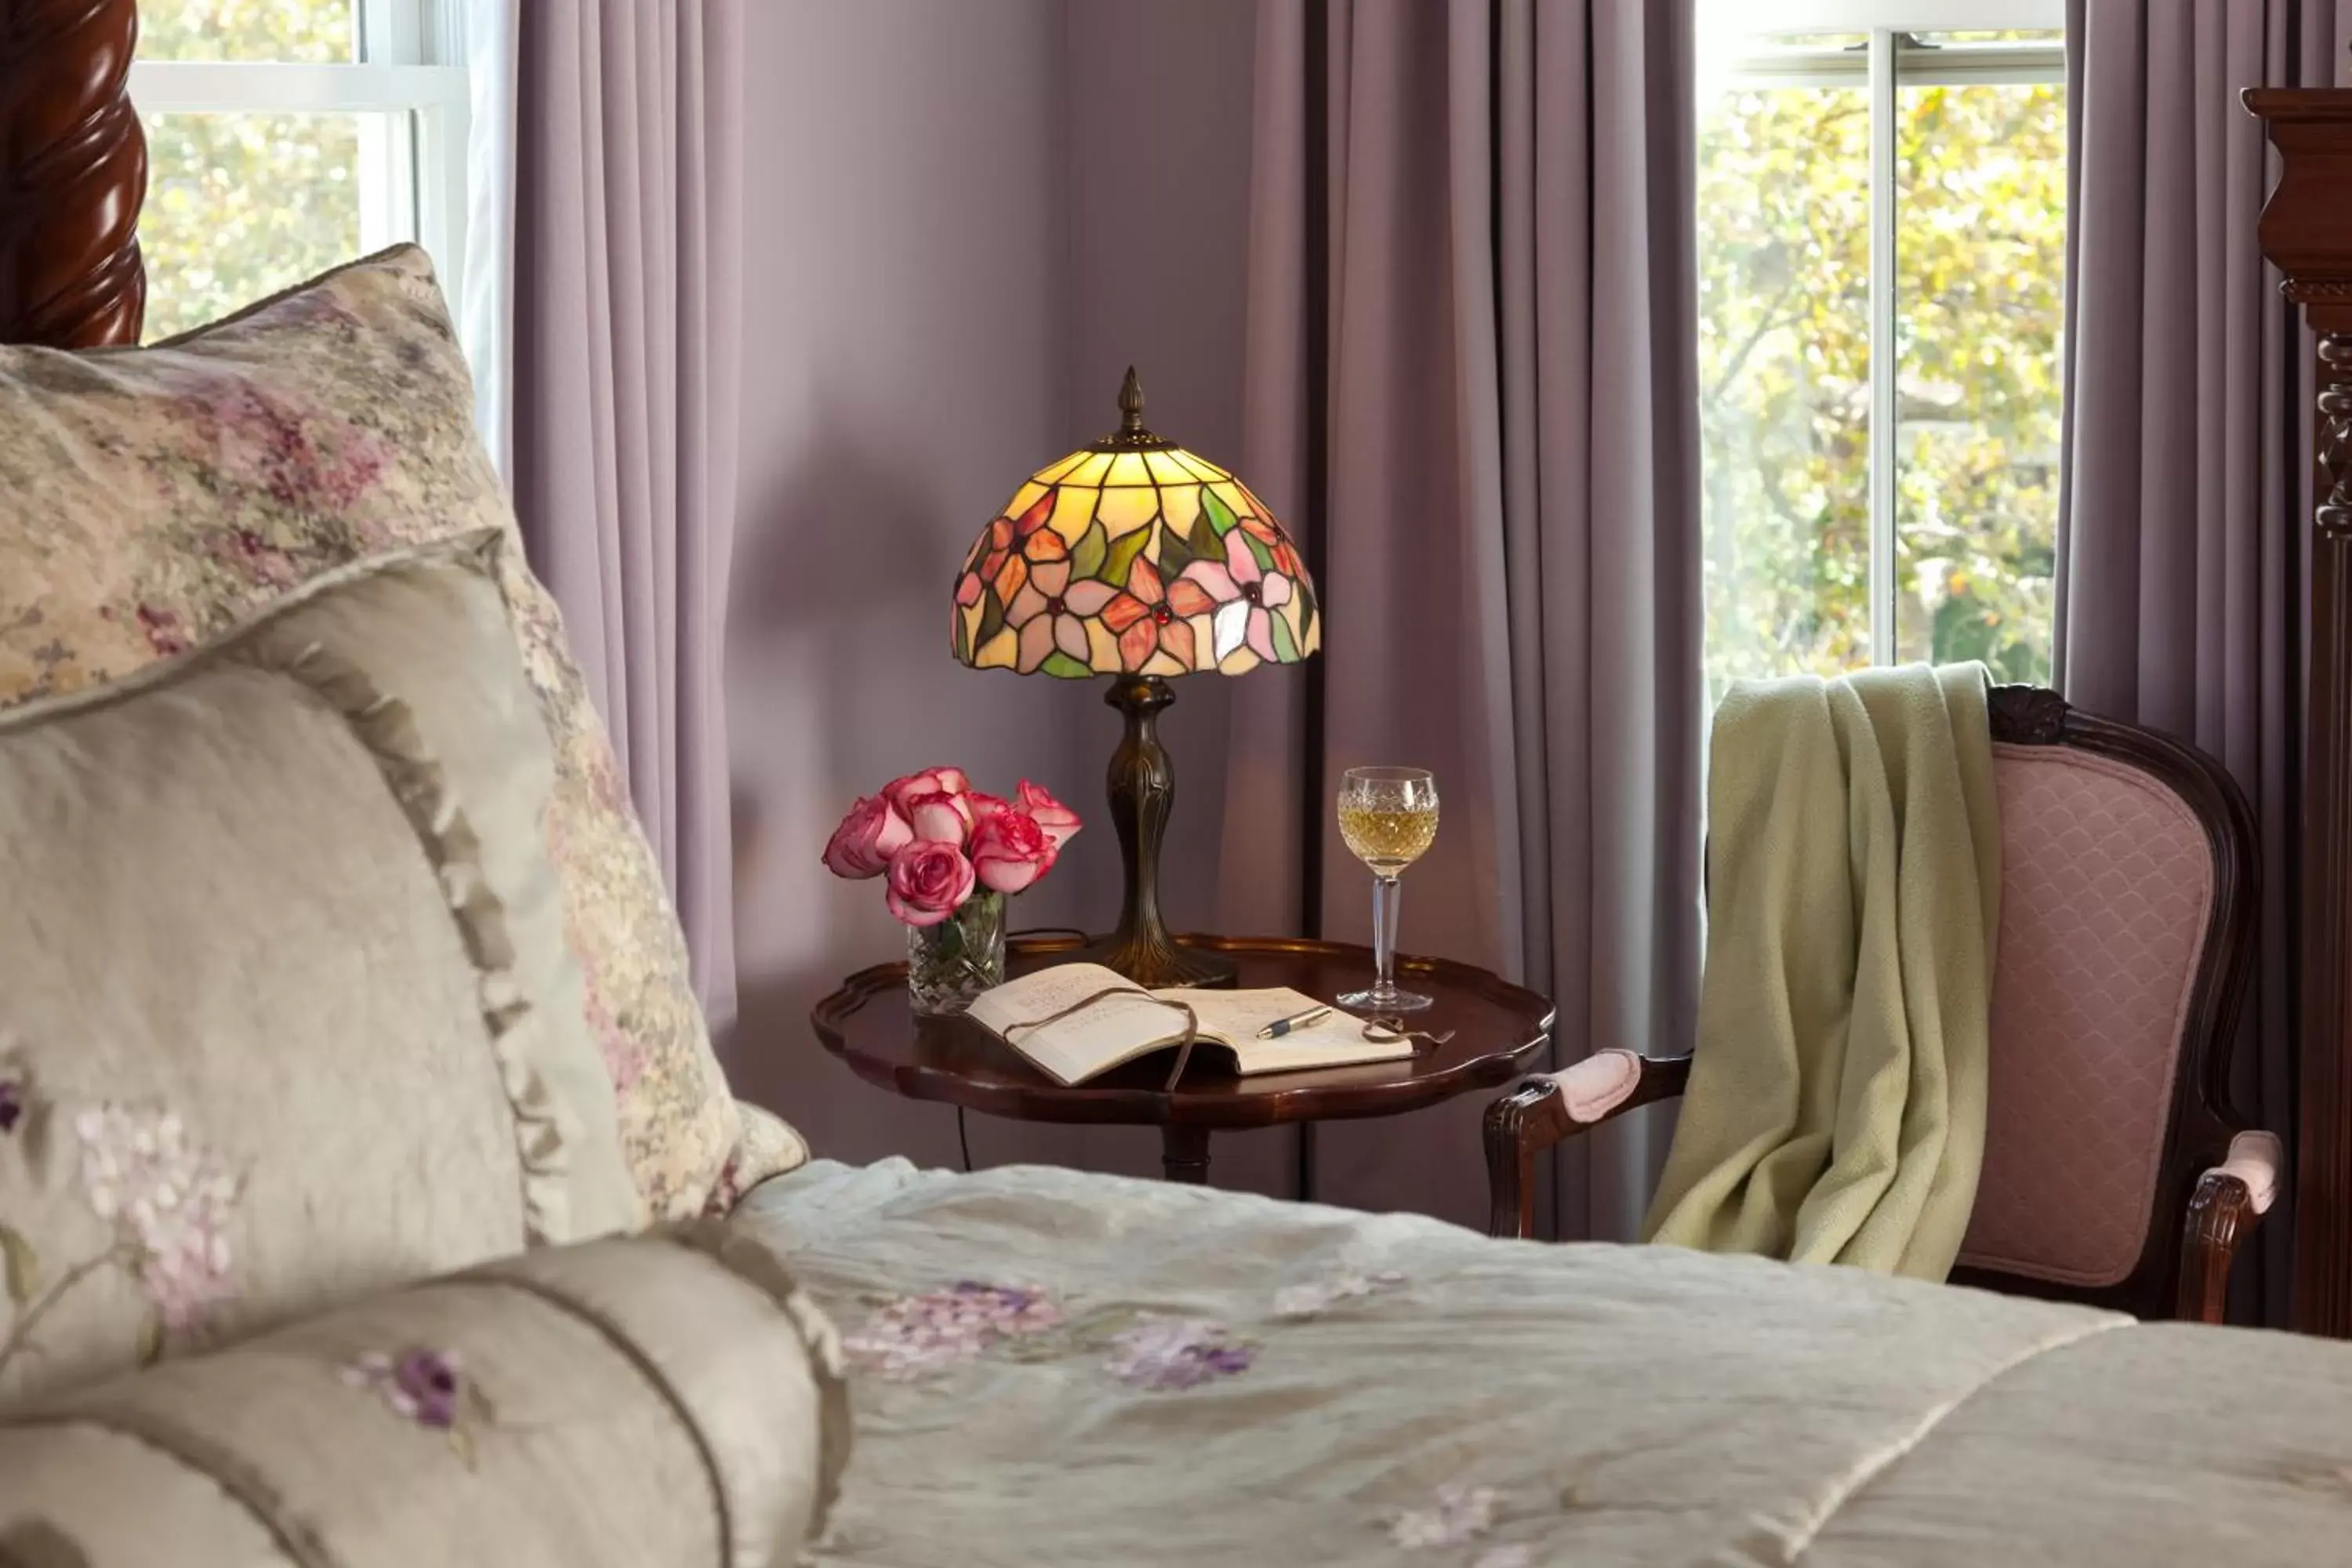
(151, 497)
(287, 1013)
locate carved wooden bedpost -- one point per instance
(73, 170)
(2306, 233)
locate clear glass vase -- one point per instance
(950, 963)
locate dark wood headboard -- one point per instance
(73, 170)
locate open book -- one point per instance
(1118, 1029)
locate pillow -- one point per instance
(668, 1400)
(155, 496)
(285, 1010)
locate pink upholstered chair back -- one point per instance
(2121, 893)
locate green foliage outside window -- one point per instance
(242, 205)
(1784, 205)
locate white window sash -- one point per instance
(1753, 17)
(420, 196)
(431, 169)
(1882, 67)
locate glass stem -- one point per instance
(1386, 895)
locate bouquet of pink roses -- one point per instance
(950, 855)
(939, 840)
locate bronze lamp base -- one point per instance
(1142, 793)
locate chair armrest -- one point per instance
(1543, 1108)
(2228, 1203)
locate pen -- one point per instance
(1282, 1026)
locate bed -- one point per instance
(1057, 1368)
(1416, 1393)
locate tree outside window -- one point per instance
(1977, 169)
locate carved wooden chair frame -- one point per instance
(2182, 1271)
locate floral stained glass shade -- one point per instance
(1134, 557)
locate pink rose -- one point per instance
(941, 817)
(1009, 851)
(867, 840)
(986, 806)
(899, 792)
(1060, 823)
(928, 880)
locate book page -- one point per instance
(1075, 1049)
(1335, 1041)
(1236, 1016)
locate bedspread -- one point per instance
(1392, 1390)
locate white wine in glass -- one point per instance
(1388, 818)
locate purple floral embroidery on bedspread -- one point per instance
(914, 1335)
(1178, 1352)
(1318, 1295)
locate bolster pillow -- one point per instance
(667, 1399)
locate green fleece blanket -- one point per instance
(1835, 1111)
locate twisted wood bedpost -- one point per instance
(2306, 233)
(73, 171)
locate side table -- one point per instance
(1497, 1029)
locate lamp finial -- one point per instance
(1132, 436)
(1131, 404)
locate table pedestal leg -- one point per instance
(1184, 1154)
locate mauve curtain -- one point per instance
(1470, 386)
(2185, 488)
(628, 285)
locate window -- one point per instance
(1882, 257)
(287, 136)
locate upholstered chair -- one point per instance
(2114, 1172)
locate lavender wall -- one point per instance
(948, 273)
(1158, 281)
(1161, 89)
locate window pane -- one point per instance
(319, 31)
(240, 205)
(1784, 357)
(1991, 35)
(1981, 257)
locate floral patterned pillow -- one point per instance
(150, 497)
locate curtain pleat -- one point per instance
(1471, 384)
(627, 303)
(2185, 488)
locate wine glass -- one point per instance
(1388, 818)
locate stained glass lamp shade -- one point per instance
(1137, 560)
(1134, 557)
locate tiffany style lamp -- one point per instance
(1137, 560)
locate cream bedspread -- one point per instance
(1623, 1405)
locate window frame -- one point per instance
(408, 83)
(1883, 66)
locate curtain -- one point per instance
(488, 31)
(628, 250)
(1470, 386)
(2185, 486)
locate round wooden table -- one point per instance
(1497, 1029)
